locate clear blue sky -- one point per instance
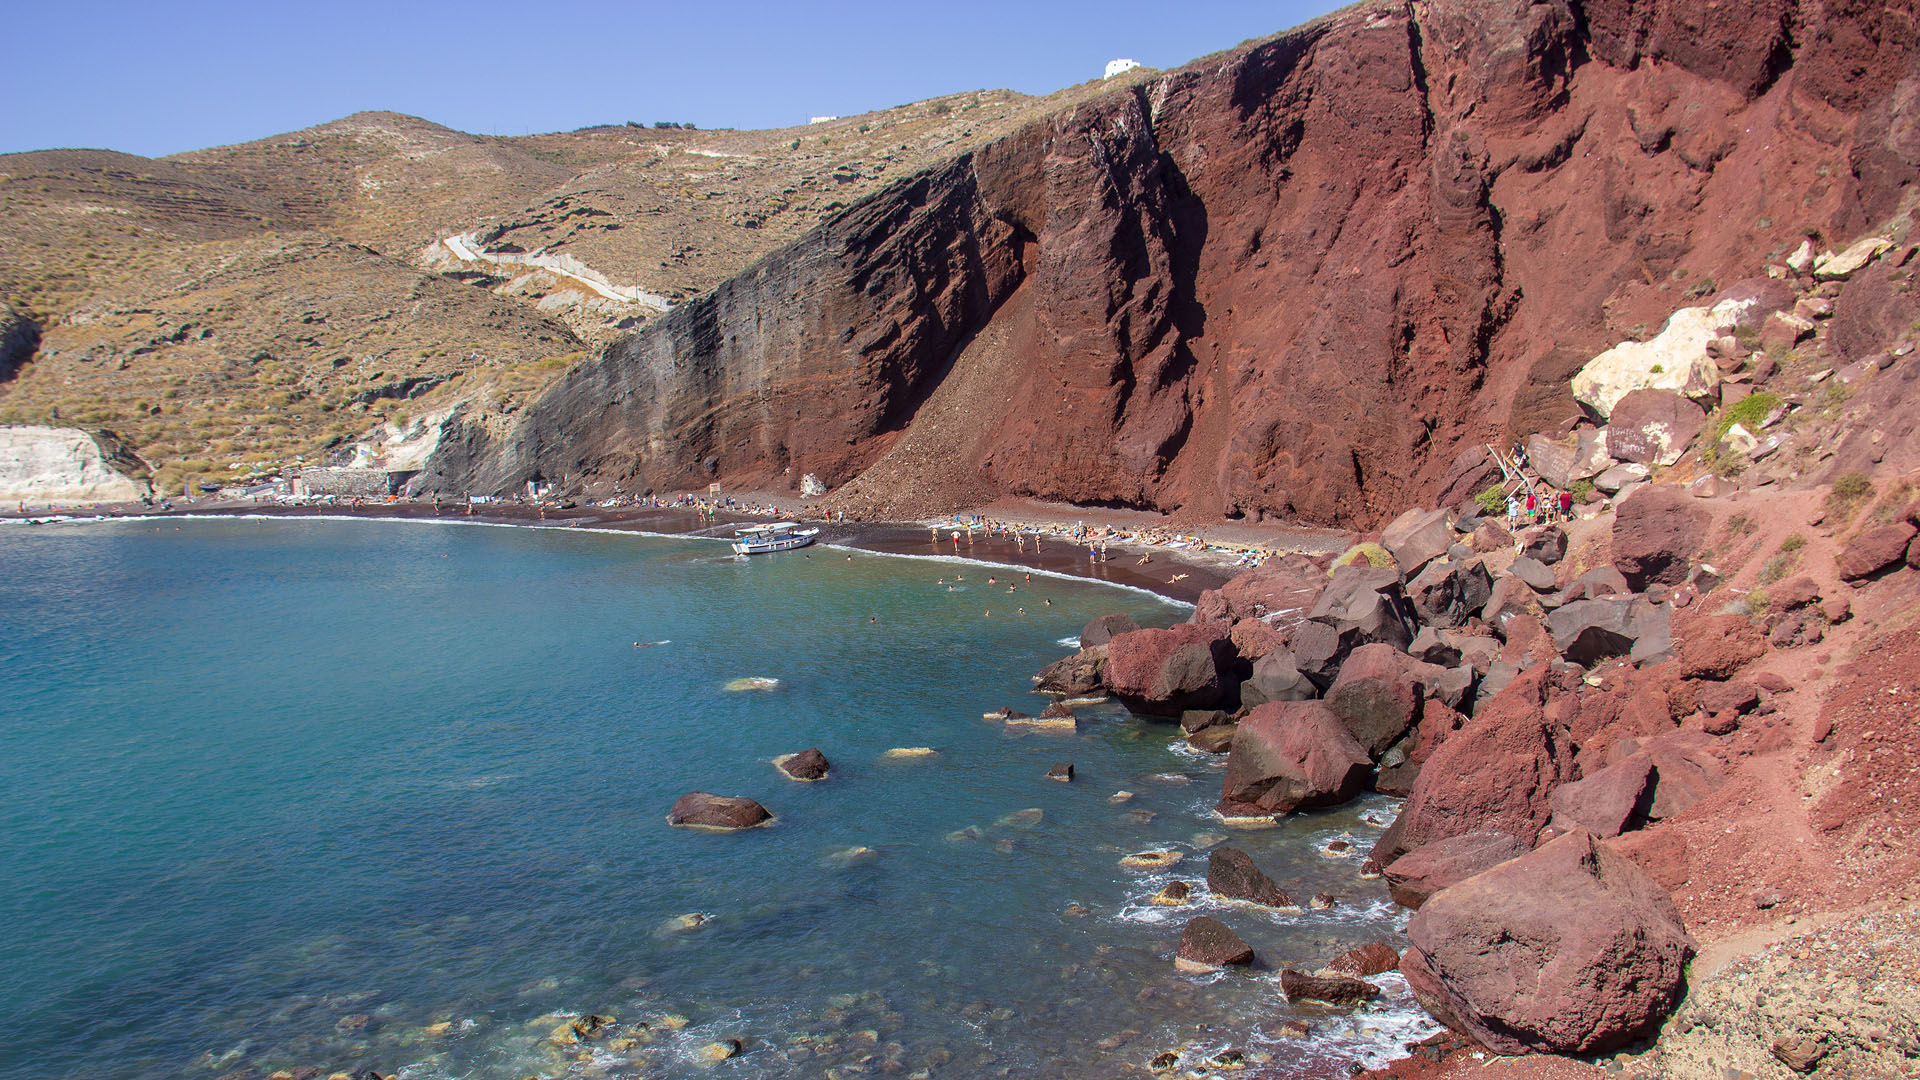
(153, 77)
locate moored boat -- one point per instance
(779, 536)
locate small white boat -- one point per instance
(779, 536)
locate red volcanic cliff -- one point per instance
(1295, 279)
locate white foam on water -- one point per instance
(1069, 642)
(1373, 1035)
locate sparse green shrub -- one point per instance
(1749, 413)
(941, 108)
(1849, 491)
(794, 145)
(1793, 543)
(1658, 369)
(1582, 490)
(1741, 525)
(1492, 500)
(1853, 485)
(1776, 568)
(1375, 556)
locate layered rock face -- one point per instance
(1294, 279)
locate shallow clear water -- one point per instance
(345, 794)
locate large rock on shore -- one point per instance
(1164, 672)
(1716, 646)
(1276, 677)
(1446, 594)
(1589, 631)
(701, 810)
(1495, 773)
(1284, 588)
(1289, 755)
(1361, 603)
(1608, 802)
(1101, 630)
(1417, 537)
(1082, 673)
(1570, 949)
(1377, 696)
(1656, 533)
(1413, 878)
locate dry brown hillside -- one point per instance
(245, 305)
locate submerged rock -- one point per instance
(1369, 959)
(1341, 991)
(807, 765)
(1232, 875)
(1208, 945)
(1173, 894)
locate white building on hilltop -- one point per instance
(821, 119)
(1116, 67)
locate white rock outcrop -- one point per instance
(1831, 267)
(47, 465)
(1676, 360)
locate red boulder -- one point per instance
(1292, 754)
(1162, 672)
(1609, 801)
(1495, 772)
(1377, 695)
(1876, 550)
(1416, 876)
(1570, 949)
(1653, 427)
(1656, 534)
(1716, 646)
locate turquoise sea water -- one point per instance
(347, 794)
